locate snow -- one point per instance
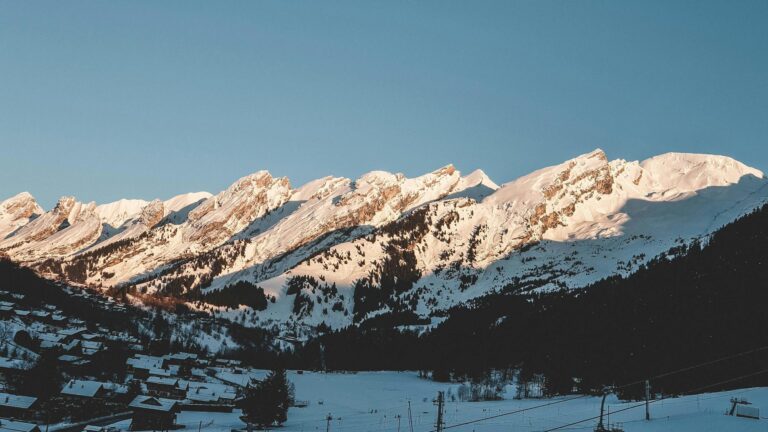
(84, 388)
(371, 401)
(569, 224)
(16, 212)
(117, 213)
(16, 401)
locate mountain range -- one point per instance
(336, 251)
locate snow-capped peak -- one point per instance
(16, 212)
(686, 172)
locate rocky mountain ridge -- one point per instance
(335, 251)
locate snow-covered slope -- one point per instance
(16, 212)
(386, 242)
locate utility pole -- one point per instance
(410, 416)
(647, 398)
(440, 402)
(398, 422)
(328, 423)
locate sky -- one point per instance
(149, 99)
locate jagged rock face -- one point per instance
(421, 244)
(221, 217)
(152, 214)
(67, 228)
(322, 212)
(16, 212)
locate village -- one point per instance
(73, 360)
(63, 373)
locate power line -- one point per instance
(662, 375)
(660, 399)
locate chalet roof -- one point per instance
(163, 381)
(182, 356)
(91, 344)
(82, 388)
(168, 371)
(9, 363)
(66, 358)
(71, 331)
(17, 426)
(16, 401)
(53, 337)
(153, 403)
(140, 361)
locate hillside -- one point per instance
(689, 306)
(337, 251)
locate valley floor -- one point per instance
(372, 401)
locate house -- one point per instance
(90, 347)
(72, 333)
(50, 340)
(166, 387)
(184, 361)
(13, 367)
(17, 426)
(85, 389)
(73, 364)
(16, 406)
(153, 413)
(140, 365)
(94, 428)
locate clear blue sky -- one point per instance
(110, 99)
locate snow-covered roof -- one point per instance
(9, 363)
(162, 381)
(16, 401)
(16, 426)
(71, 331)
(82, 388)
(181, 356)
(140, 361)
(153, 403)
(89, 344)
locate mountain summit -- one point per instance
(336, 250)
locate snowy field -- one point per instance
(371, 401)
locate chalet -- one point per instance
(6, 309)
(90, 347)
(166, 387)
(211, 393)
(153, 413)
(184, 361)
(167, 371)
(17, 426)
(16, 406)
(140, 365)
(42, 316)
(73, 364)
(95, 428)
(50, 340)
(13, 367)
(72, 333)
(85, 389)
